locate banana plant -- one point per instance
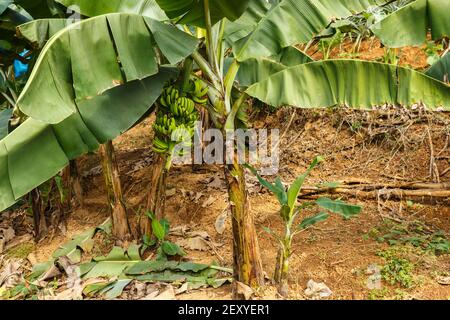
(290, 211)
(109, 69)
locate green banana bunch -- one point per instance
(169, 96)
(160, 146)
(175, 122)
(198, 92)
(183, 107)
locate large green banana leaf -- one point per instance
(36, 151)
(193, 11)
(90, 8)
(189, 11)
(39, 31)
(410, 24)
(354, 83)
(291, 22)
(254, 70)
(441, 69)
(87, 58)
(242, 27)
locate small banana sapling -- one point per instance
(291, 210)
(161, 228)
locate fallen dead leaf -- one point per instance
(11, 274)
(221, 222)
(183, 288)
(6, 234)
(217, 183)
(168, 294)
(196, 243)
(171, 192)
(444, 280)
(244, 290)
(209, 202)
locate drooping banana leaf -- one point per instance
(192, 12)
(185, 11)
(254, 70)
(441, 69)
(35, 151)
(39, 31)
(87, 58)
(89, 8)
(356, 84)
(291, 56)
(292, 22)
(236, 30)
(410, 24)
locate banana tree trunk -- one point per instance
(38, 209)
(156, 196)
(76, 190)
(246, 255)
(120, 226)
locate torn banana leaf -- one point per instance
(89, 8)
(39, 31)
(185, 11)
(441, 69)
(144, 267)
(86, 59)
(72, 248)
(409, 25)
(353, 83)
(35, 151)
(254, 70)
(114, 263)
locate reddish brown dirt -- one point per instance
(373, 50)
(336, 252)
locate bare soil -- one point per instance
(388, 146)
(335, 252)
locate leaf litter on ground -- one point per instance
(108, 276)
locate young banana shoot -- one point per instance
(290, 210)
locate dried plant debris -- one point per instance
(120, 273)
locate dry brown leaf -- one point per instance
(52, 272)
(11, 274)
(183, 288)
(196, 243)
(217, 183)
(444, 280)
(6, 235)
(203, 234)
(168, 294)
(221, 222)
(244, 290)
(171, 192)
(209, 201)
